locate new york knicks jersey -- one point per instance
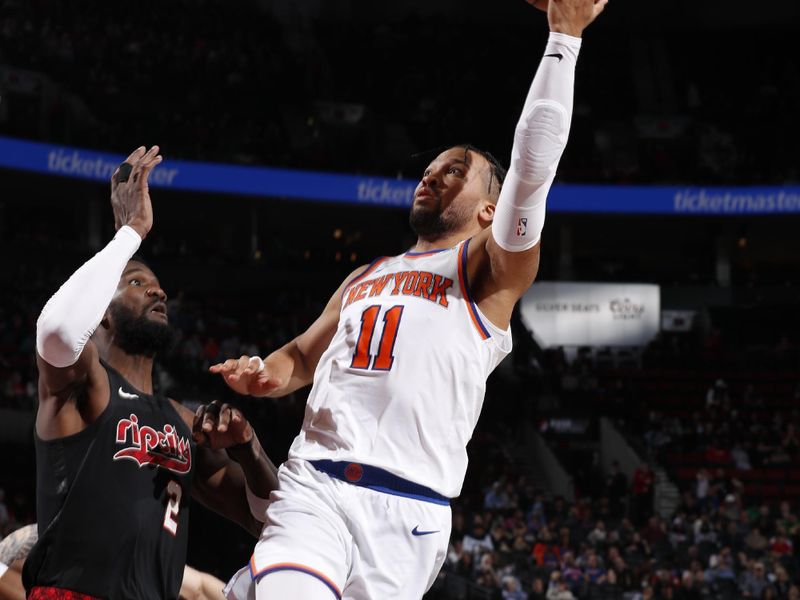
(402, 383)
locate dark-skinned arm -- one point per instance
(73, 386)
(229, 459)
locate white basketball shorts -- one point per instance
(363, 544)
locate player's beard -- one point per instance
(434, 223)
(137, 335)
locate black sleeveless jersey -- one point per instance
(112, 501)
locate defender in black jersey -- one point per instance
(116, 464)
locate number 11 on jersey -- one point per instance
(384, 360)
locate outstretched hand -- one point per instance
(220, 426)
(247, 375)
(130, 193)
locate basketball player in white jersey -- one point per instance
(399, 360)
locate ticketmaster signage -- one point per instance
(592, 314)
(377, 191)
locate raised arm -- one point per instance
(504, 258)
(290, 367)
(66, 357)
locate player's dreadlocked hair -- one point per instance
(497, 172)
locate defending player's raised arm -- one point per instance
(292, 366)
(65, 354)
(511, 245)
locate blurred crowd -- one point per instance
(215, 81)
(518, 543)
(743, 434)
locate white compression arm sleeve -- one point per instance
(70, 317)
(539, 141)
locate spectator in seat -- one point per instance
(654, 531)
(782, 583)
(788, 518)
(545, 552)
(741, 459)
(616, 485)
(753, 581)
(720, 566)
(678, 533)
(558, 589)
(642, 487)
(704, 531)
(512, 589)
(755, 542)
(570, 572)
(702, 486)
(790, 441)
(486, 574)
(717, 396)
(780, 545)
(496, 497)
(538, 591)
(478, 539)
(598, 535)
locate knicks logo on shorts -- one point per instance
(151, 447)
(353, 472)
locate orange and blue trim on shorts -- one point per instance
(463, 280)
(257, 574)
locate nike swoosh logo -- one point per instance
(416, 531)
(125, 395)
(557, 55)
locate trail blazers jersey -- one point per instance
(402, 383)
(112, 501)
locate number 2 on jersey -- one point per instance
(174, 493)
(384, 359)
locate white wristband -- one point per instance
(258, 506)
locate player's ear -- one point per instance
(486, 214)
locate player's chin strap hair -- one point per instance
(539, 141)
(70, 317)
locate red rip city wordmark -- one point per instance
(151, 447)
